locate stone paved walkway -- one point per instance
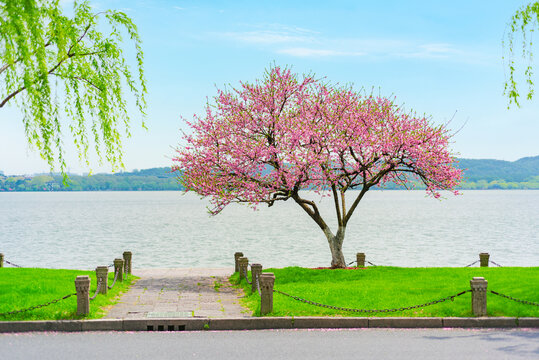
(180, 293)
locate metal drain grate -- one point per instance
(165, 328)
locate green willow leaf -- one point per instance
(523, 23)
(53, 67)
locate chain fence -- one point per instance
(353, 262)
(99, 284)
(98, 287)
(246, 277)
(526, 302)
(115, 278)
(38, 306)
(490, 261)
(258, 286)
(12, 264)
(452, 297)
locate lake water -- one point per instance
(167, 229)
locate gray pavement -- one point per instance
(180, 293)
(412, 344)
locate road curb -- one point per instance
(198, 324)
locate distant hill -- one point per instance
(479, 174)
(490, 170)
(154, 179)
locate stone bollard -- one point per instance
(360, 258)
(127, 262)
(236, 264)
(256, 270)
(1, 260)
(479, 296)
(119, 268)
(483, 259)
(243, 263)
(102, 274)
(82, 285)
(266, 288)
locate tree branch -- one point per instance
(313, 211)
(337, 206)
(6, 66)
(354, 205)
(78, 78)
(69, 55)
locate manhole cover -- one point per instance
(169, 314)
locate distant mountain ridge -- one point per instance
(479, 174)
(490, 170)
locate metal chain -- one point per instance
(246, 279)
(12, 264)
(452, 297)
(37, 306)
(97, 288)
(475, 262)
(115, 277)
(515, 299)
(350, 263)
(111, 265)
(371, 263)
(258, 285)
(495, 263)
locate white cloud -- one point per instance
(301, 42)
(307, 52)
(432, 51)
(264, 37)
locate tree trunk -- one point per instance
(335, 246)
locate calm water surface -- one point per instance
(167, 229)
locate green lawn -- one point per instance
(393, 287)
(25, 287)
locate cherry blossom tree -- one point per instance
(265, 142)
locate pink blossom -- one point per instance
(266, 141)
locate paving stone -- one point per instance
(180, 290)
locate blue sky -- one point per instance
(439, 58)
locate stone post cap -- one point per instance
(102, 269)
(256, 266)
(243, 260)
(82, 279)
(238, 254)
(360, 254)
(267, 279)
(82, 283)
(118, 261)
(478, 283)
(127, 253)
(484, 254)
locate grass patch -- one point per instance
(21, 288)
(393, 287)
(217, 285)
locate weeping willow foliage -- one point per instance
(521, 29)
(68, 73)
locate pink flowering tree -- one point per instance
(265, 142)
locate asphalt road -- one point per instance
(277, 344)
